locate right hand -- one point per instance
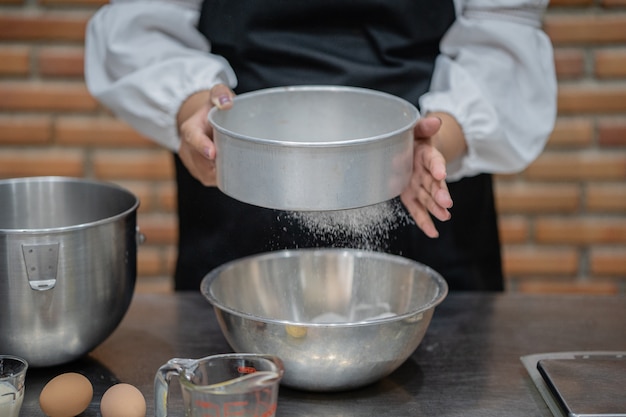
(427, 193)
(197, 150)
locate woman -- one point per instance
(481, 72)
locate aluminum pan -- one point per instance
(313, 148)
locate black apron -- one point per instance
(380, 44)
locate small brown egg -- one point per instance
(123, 400)
(66, 395)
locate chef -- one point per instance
(480, 71)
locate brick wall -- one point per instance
(563, 220)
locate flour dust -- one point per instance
(367, 228)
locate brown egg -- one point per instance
(66, 395)
(123, 400)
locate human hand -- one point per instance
(427, 192)
(197, 150)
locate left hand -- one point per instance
(197, 150)
(427, 192)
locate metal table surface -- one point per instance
(467, 365)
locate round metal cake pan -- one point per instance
(314, 148)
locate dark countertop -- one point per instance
(467, 365)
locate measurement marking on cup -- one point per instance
(246, 369)
(13, 394)
(259, 407)
(234, 408)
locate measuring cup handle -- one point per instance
(173, 367)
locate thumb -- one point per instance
(427, 126)
(222, 97)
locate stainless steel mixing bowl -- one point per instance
(338, 318)
(68, 250)
(312, 148)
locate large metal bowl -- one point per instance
(338, 318)
(68, 250)
(312, 148)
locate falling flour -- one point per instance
(362, 228)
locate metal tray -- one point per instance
(580, 384)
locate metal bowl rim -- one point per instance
(316, 88)
(61, 179)
(206, 284)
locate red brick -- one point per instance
(38, 96)
(542, 287)
(585, 28)
(47, 26)
(153, 165)
(577, 132)
(610, 63)
(156, 260)
(143, 191)
(582, 166)
(158, 228)
(554, 3)
(98, 131)
(513, 229)
(606, 197)
(537, 198)
(580, 231)
(569, 63)
(166, 195)
(14, 60)
(155, 268)
(149, 260)
(171, 256)
(157, 285)
(15, 164)
(61, 62)
(612, 133)
(154, 285)
(539, 260)
(608, 261)
(613, 3)
(74, 3)
(592, 99)
(154, 196)
(25, 130)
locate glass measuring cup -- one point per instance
(244, 385)
(12, 377)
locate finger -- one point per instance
(431, 195)
(442, 195)
(198, 166)
(438, 191)
(432, 160)
(205, 170)
(222, 97)
(419, 214)
(202, 144)
(427, 199)
(427, 126)
(194, 135)
(429, 172)
(197, 163)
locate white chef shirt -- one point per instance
(495, 74)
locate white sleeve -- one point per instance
(496, 76)
(144, 58)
